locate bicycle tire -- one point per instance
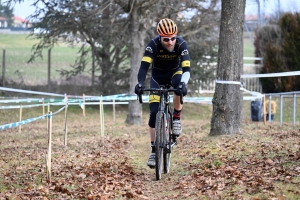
(159, 131)
(167, 152)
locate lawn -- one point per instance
(18, 51)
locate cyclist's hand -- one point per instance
(181, 89)
(139, 88)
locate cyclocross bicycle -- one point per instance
(164, 139)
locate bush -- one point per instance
(279, 46)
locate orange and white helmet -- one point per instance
(166, 27)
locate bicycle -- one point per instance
(164, 139)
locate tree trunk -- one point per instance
(134, 115)
(228, 98)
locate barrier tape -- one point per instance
(30, 92)
(229, 82)
(29, 100)
(294, 73)
(19, 106)
(15, 124)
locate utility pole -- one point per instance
(258, 13)
(263, 12)
(279, 10)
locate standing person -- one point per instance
(168, 53)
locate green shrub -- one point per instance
(279, 46)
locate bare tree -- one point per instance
(90, 25)
(115, 29)
(228, 98)
(140, 23)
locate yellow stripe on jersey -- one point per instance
(153, 98)
(147, 59)
(178, 72)
(185, 63)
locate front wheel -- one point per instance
(159, 141)
(169, 140)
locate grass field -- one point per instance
(18, 51)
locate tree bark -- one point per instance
(134, 115)
(228, 98)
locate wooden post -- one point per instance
(48, 164)
(3, 68)
(100, 110)
(20, 127)
(66, 119)
(83, 105)
(101, 116)
(43, 107)
(103, 127)
(114, 110)
(48, 112)
(264, 107)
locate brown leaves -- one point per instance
(259, 164)
(94, 170)
(240, 164)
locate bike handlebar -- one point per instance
(159, 90)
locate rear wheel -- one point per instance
(167, 152)
(159, 132)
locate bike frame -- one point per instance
(164, 116)
(164, 108)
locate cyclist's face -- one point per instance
(168, 42)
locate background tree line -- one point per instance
(114, 34)
(278, 43)
(7, 12)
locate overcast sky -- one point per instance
(270, 6)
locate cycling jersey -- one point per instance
(167, 68)
(162, 60)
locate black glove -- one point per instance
(181, 89)
(139, 88)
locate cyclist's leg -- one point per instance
(153, 105)
(177, 105)
(176, 102)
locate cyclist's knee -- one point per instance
(151, 122)
(153, 112)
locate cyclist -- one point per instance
(168, 53)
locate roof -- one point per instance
(255, 17)
(3, 19)
(21, 19)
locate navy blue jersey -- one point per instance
(164, 60)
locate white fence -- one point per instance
(252, 84)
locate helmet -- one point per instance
(166, 27)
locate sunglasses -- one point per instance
(165, 39)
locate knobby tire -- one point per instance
(167, 153)
(159, 132)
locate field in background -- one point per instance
(18, 51)
(248, 49)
